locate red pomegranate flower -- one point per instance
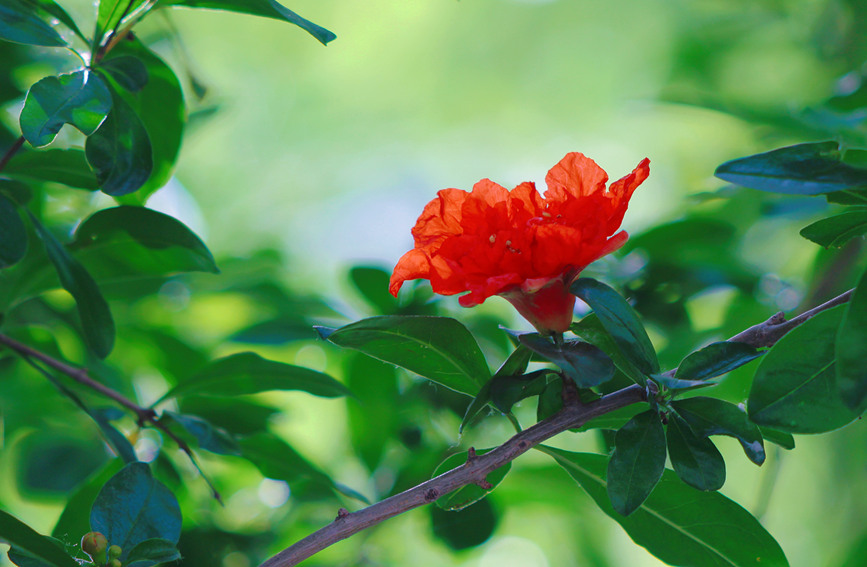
(520, 245)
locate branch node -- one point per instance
(341, 514)
(471, 455)
(569, 393)
(484, 484)
(431, 494)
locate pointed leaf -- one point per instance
(710, 416)
(152, 552)
(715, 360)
(128, 71)
(621, 322)
(678, 524)
(68, 167)
(506, 391)
(13, 233)
(472, 493)
(20, 24)
(586, 364)
(209, 437)
(780, 438)
(79, 98)
(851, 350)
(439, 348)
(51, 7)
(637, 462)
(372, 284)
(695, 459)
(834, 232)
(590, 329)
(23, 537)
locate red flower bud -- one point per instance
(94, 544)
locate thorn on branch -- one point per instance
(471, 455)
(484, 484)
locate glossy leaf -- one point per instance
(620, 321)
(152, 552)
(54, 9)
(515, 365)
(834, 232)
(133, 507)
(851, 350)
(20, 24)
(679, 524)
(248, 373)
(148, 228)
(120, 151)
(678, 383)
(80, 99)
(711, 416)
(586, 364)
(695, 458)
(506, 391)
(637, 462)
(75, 518)
(780, 438)
(795, 386)
(13, 234)
(716, 359)
(439, 348)
(264, 8)
(96, 321)
(472, 493)
(22, 536)
(590, 329)
(209, 437)
(68, 167)
(128, 72)
(802, 169)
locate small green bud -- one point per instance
(115, 563)
(94, 544)
(114, 552)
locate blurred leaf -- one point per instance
(20, 535)
(834, 232)
(265, 8)
(466, 528)
(129, 72)
(13, 233)
(439, 348)
(716, 359)
(472, 493)
(780, 438)
(121, 445)
(591, 330)
(248, 373)
(148, 228)
(79, 98)
(673, 523)
(802, 169)
(209, 438)
(15, 191)
(373, 421)
(277, 331)
(372, 284)
(710, 416)
(694, 458)
(637, 462)
(26, 559)
(20, 24)
(621, 322)
(152, 552)
(59, 166)
(848, 197)
(239, 416)
(55, 10)
(614, 420)
(120, 151)
(74, 521)
(133, 507)
(584, 363)
(851, 350)
(95, 316)
(795, 387)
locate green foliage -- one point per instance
(20, 24)
(637, 462)
(25, 539)
(850, 350)
(584, 363)
(472, 493)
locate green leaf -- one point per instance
(79, 98)
(13, 234)
(152, 552)
(439, 348)
(465, 528)
(678, 524)
(848, 197)
(264, 8)
(52, 8)
(96, 321)
(120, 151)
(715, 360)
(834, 232)
(851, 350)
(637, 462)
(590, 329)
(133, 507)
(209, 437)
(795, 386)
(620, 321)
(117, 440)
(248, 373)
(506, 391)
(780, 438)
(74, 521)
(165, 235)
(22, 536)
(472, 493)
(586, 364)
(372, 284)
(20, 24)
(68, 167)
(802, 169)
(373, 423)
(711, 416)
(694, 458)
(673, 383)
(127, 71)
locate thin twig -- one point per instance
(11, 152)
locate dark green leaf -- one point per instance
(20, 24)
(851, 350)
(621, 322)
(586, 364)
(795, 386)
(710, 416)
(694, 458)
(834, 232)
(277, 331)
(637, 462)
(237, 415)
(466, 528)
(781, 438)
(133, 507)
(166, 235)
(26, 559)
(716, 359)
(472, 493)
(439, 348)
(55, 10)
(120, 151)
(506, 391)
(22, 536)
(95, 316)
(75, 518)
(678, 524)
(129, 72)
(372, 283)
(678, 383)
(848, 197)
(13, 233)
(209, 437)
(373, 421)
(59, 166)
(590, 329)
(116, 439)
(480, 402)
(265, 8)
(152, 552)
(802, 169)
(79, 98)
